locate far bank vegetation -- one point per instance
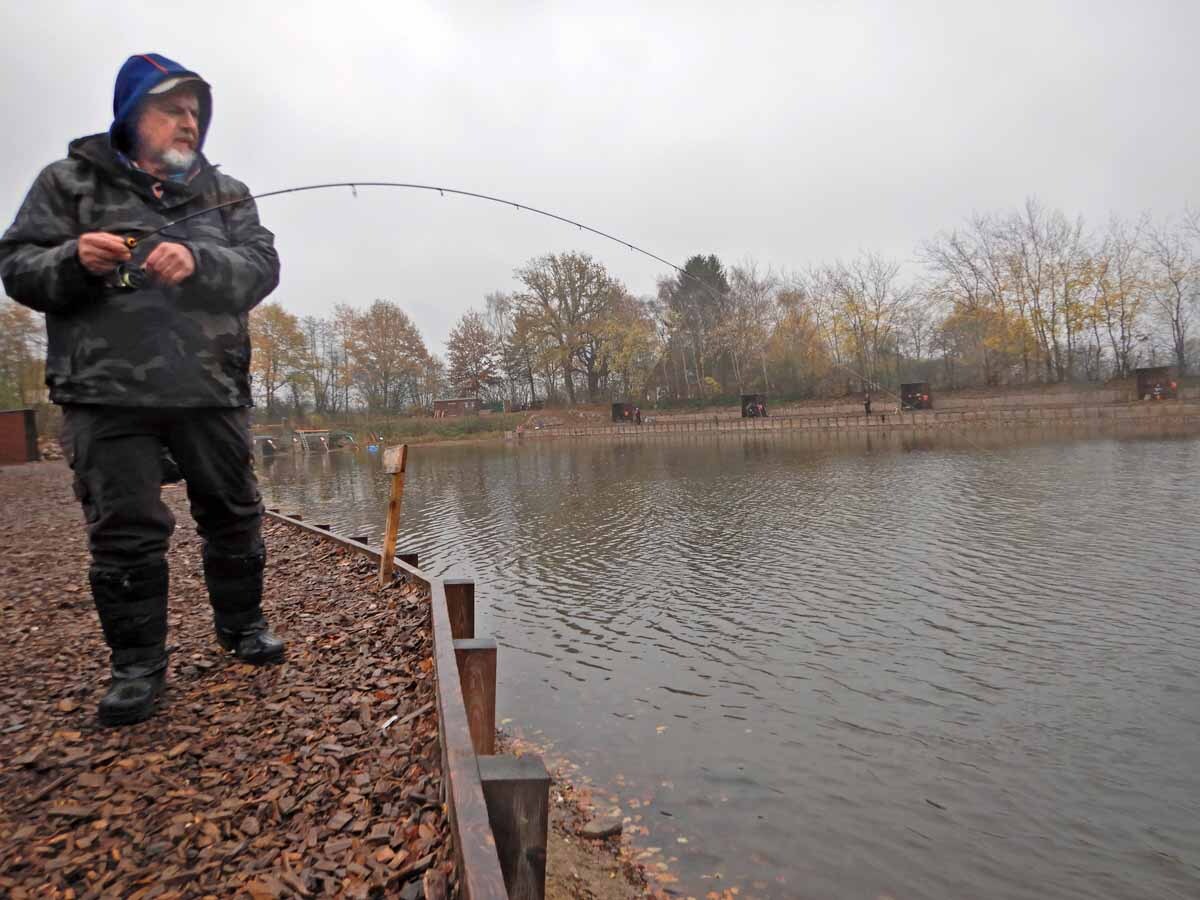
(1019, 297)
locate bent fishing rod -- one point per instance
(132, 242)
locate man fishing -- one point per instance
(149, 349)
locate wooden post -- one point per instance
(394, 461)
(460, 604)
(476, 658)
(517, 792)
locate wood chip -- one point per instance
(71, 812)
(247, 782)
(434, 883)
(384, 854)
(29, 758)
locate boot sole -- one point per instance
(129, 718)
(254, 661)
(263, 660)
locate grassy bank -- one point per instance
(422, 429)
(428, 430)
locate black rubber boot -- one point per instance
(235, 587)
(131, 698)
(132, 605)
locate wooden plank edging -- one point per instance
(479, 872)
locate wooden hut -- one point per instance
(18, 437)
(622, 412)
(1157, 383)
(754, 405)
(455, 406)
(916, 395)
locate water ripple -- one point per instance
(894, 664)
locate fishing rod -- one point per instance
(132, 241)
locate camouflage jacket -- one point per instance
(187, 345)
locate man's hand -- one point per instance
(170, 263)
(101, 252)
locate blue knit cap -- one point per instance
(140, 75)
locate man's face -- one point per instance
(168, 128)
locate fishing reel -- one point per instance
(130, 276)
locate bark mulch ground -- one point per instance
(316, 777)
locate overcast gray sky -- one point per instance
(791, 133)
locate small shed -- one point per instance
(1157, 383)
(622, 412)
(456, 406)
(18, 437)
(754, 405)
(916, 395)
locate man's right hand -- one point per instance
(101, 252)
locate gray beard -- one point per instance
(177, 162)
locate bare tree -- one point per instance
(22, 346)
(326, 360)
(1120, 290)
(1173, 283)
(970, 272)
(501, 314)
(916, 325)
(747, 328)
(870, 300)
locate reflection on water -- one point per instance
(841, 665)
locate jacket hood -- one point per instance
(137, 78)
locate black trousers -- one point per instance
(116, 455)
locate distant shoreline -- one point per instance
(1182, 414)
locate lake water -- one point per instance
(839, 666)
